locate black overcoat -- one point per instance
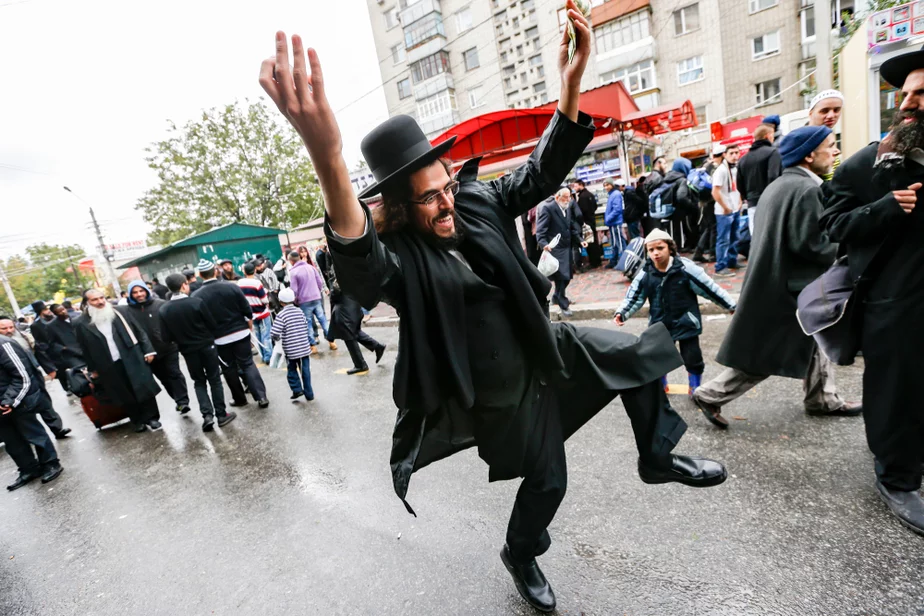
(788, 251)
(550, 221)
(142, 385)
(433, 387)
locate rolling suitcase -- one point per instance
(101, 413)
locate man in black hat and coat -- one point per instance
(118, 354)
(44, 352)
(62, 339)
(479, 363)
(874, 212)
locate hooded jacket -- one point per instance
(147, 316)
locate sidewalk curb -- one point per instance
(582, 312)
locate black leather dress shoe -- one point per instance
(850, 409)
(263, 403)
(530, 582)
(378, 353)
(22, 480)
(361, 370)
(62, 433)
(710, 411)
(908, 507)
(52, 472)
(227, 418)
(237, 404)
(694, 472)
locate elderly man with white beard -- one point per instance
(118, 354)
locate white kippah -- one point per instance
(826, 94)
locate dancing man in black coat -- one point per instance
(478, 361)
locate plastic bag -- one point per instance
(278, 356)
(548, 264)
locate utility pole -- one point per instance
(105, 254)
(70, 259)
(9, 291)
(823, 71)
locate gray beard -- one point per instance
(102, 316)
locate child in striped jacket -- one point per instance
(291, 328)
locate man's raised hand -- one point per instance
(301, 98)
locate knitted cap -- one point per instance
(205, 265)
(826, 94)
(658, 236)
(287, 296)
(773, 120)
(800, 143)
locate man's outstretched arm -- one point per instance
(302, 100)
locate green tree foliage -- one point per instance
(43, 271)
(234, 164)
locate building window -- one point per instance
(761, 5)
(700, 111)
(519, 51)
(510, 70)
(562, 19)
(527, 4)
(765, 45)
(404, 88)
(406, 3)
(690, 70)
(430, 66)
(686, 19)
(423, 29)
(515, 22)
(464, 19)
(503, 57)
(535, 60)
(768, 92)
(398, 55)
(532, 32)
(544, 98)
(436, 104)
(539, 87)
(637, 77)
(391, 18)
(470, 57)
(540, 71)
(475, 97)
(619, 32)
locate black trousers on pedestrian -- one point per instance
(656, 426)
(114, 387)
(166, 367)
(559, 297)
(49, 415)
(237, 355)
(205, 370)
(362, 338)
(692, 355)
(892, 339)
(707, 230)
(21, 430)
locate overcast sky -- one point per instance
(88, 84)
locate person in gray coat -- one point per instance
(788, 252)
(556, 217)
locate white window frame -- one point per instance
(681, 70)
(460, 27)
(398, 53)
(765, 53)
(683, 19)
(759, 93)
(638, 22)
(476, 97)
(628, 71)
(465, 59)
(754, 5)
(436, 105)
(393, 10)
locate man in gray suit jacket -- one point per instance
(788, 251)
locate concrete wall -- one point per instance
(854, 82)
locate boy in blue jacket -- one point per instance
(671, 283)
(613, 219)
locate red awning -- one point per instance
(659, 120)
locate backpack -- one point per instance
(700, 181)
(634, 205)
(632, 258)
(686, 199)
(661, 201)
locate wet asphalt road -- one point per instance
(290, 510)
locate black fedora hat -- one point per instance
(395, 148)
(896, 70)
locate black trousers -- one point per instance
(692, 355)
(656, 426)
(362, 338)
(115, 388)
(49, 415)
(205, 370)
(20, 431)
(559, 297)
(166, 368)
(237, 355)
(892, 338)
(707, 230)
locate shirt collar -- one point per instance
(814, 176)
(178, 296)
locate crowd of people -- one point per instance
(128, 350)
(479, 363)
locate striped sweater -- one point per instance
(256, 297)
(291, 327)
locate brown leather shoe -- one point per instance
(710, 411)
(332, 345)
(850, 409)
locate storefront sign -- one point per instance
(127, 250)
(597, 171)
(739, 133)
(896, 24)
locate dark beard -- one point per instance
(447, 243)
(907, 136)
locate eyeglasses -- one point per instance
(451, 189)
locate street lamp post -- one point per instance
(282, 214)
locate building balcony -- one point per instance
(415, 12)
(433, 126)
(432, 46)
(633, 53)
(434, 85)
